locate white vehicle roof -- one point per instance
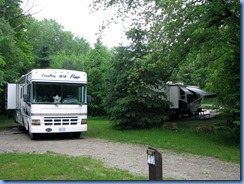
(57, 75)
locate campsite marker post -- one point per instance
(154, 160)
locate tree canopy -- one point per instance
(15, 52)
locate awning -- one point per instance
(200, 92)
(186, 90)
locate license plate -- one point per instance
(62, 129)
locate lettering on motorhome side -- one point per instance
(49, 75)
(73, 76)
(62, 76)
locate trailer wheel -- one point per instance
(190, 114)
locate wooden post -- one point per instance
(154, 160)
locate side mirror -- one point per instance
(89, 98)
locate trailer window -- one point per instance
(44, 93)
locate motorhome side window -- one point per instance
(45, 93)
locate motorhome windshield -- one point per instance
(59, 93)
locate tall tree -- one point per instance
(97, 66)
(132, 100)
(15, 51)
(43, 60)
(54, 47)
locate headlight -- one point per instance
(83, 121)
(36, 122)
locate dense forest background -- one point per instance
(195, 42)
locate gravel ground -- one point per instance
(131, 157)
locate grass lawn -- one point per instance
(6, 123)
(220, 145)
(50, 166)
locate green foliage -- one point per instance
(227, 72)
(15, 53)
(98, 67)
(72, 61)
(53, 47)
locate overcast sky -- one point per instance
(75, 16)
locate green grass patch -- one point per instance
(184, 139)
(50, 166)
(6, 123)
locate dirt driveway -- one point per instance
(129, 157)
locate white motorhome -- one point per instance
(50, 101)
(184, 99)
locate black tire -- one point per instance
(21, 128)
(190, 114)
(33, 136)
(75, 135)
